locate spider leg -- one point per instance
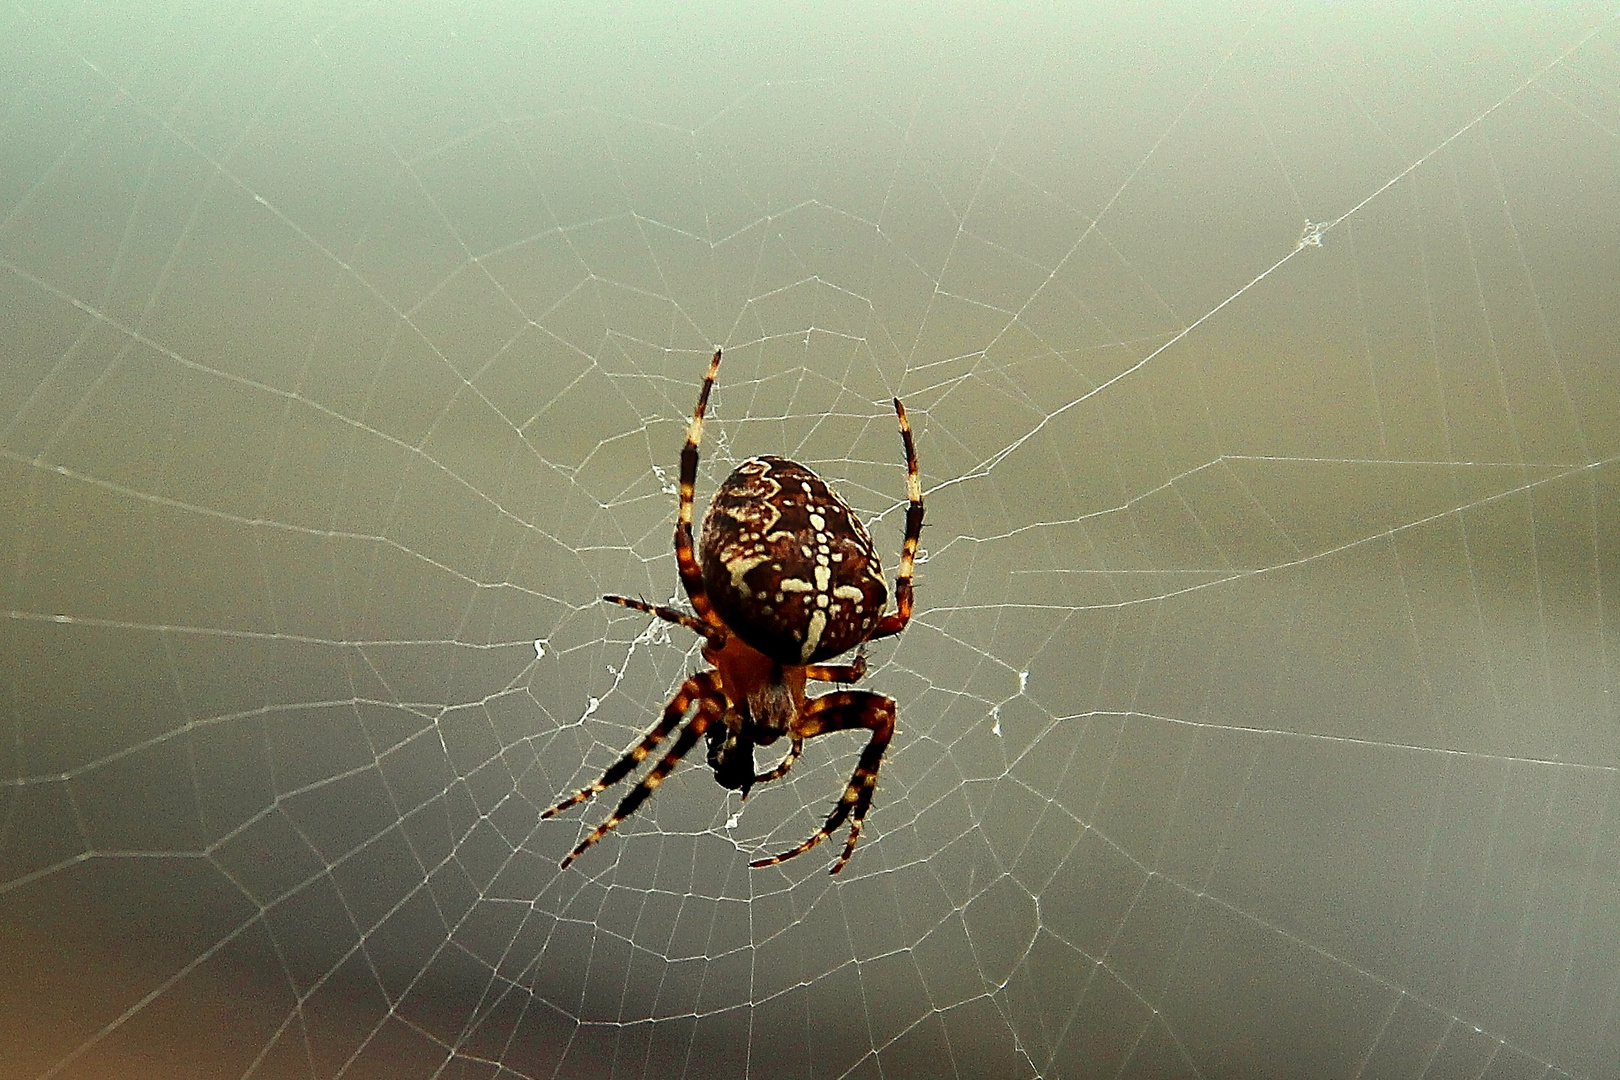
(781, 766)
(669, 614)
(838, 673)
(833, 673)
(896, 620)
(685, 558)
(708, 709)
(845, 710)
(699, 687)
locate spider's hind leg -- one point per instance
(896, 620)
(685, 557)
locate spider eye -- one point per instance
(788, 565)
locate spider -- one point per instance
(785, 577)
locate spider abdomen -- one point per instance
(787, 564)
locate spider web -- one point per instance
(1258, 716)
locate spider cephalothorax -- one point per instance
(785, 577)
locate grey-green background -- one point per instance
(1259, 714)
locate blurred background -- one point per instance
(1259, 714)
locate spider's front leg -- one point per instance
(702, 688)
(845, 710)
(833, 673)
(795, 748)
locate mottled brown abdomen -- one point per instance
(787, 564)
